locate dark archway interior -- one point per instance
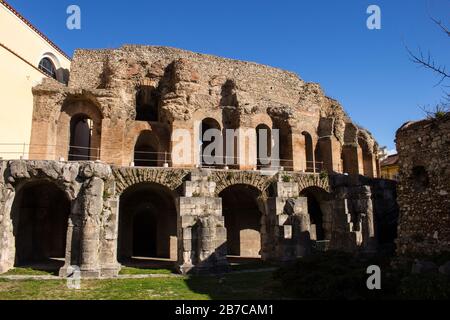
(314, 196)
(147, 223)
(40, 214)
(309, 152)
(147, 103)
(145, 150)
(207, 124)
(242, 220)
(80, 138)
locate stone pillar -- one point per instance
(330, 147)
(246, 149)
(331, 154)
(43, 142)
(288, 224)
(201, 228)
(353, 219)
(110, 229)
(7, 245)
(73, 249)
(92, 206)
(352, 156)
(299, 150)
(112, 142)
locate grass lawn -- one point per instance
(260, 286)
(29, 272)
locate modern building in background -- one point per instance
(390, 167)
(26, 57)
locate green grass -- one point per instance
(28, 272)
(137, 271)
(255, 286)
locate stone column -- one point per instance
(7, 245)
(92, 206)
(110, 267)
(288, 224)
(72, 257)
(201, 228)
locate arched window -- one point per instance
(263, 146)
(80, 138)
(48, 67)
(209, 124)
(309, 153)
(147, 103)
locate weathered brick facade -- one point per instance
(148, 92)
(424, 188)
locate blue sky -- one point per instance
(327, 42)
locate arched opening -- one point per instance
(367, 159)
(47, 66)
(309, 152)
(285, 146)
(146, 150)
(80, 138)
(318, 158)
(147, 226)
(242, 221)
(40, 215)
(79, 129)
(207, 159)
(147, 103)
(263, 146)
(319, 209)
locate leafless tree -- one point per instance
(428, 62)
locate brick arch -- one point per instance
(127, 177)
(73, 107)
(307, 181)
(226, 179)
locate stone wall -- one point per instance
(183, 89)
(288, 227)
(424, 190)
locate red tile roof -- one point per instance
(10, 8)
(390, 161)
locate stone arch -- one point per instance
(147, 224)
(244, 221)
(76, 111)
(127, 177)
(316, 180)
(40, 216)
(146, 150)
(225, 179)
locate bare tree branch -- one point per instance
(441, 25)
(429, 63)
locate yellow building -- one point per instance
(26, 57)
(390, 167)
